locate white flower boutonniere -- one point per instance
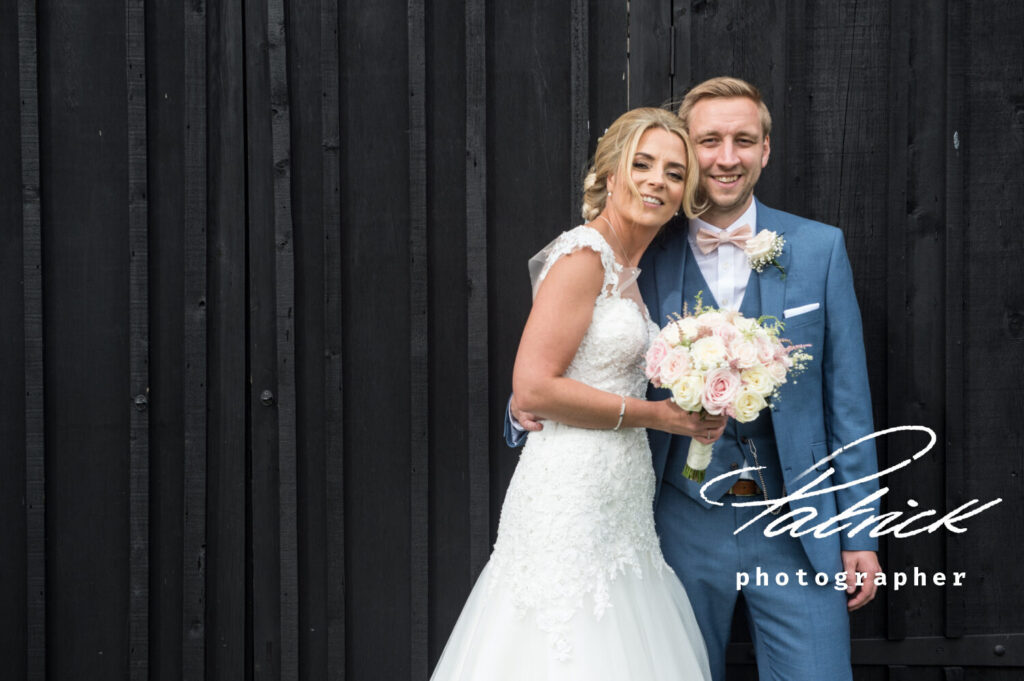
(764, 249)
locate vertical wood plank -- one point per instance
(83, 135)
(608, 50)
(13, 535)
(956, 468)
(796, 102)
(138, 330)
(165, 51)
(194, 567)
(228, 647)
(35, 461)
(263, 503)
(305, 114)
(682, 43)
(332, 310)
(650, 58)
(579, 103)
(280, 117)
(477, 375)
(377, 322)
(419, 346)
(897, 342)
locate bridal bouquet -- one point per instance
(721, 362)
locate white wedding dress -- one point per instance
(577, 587)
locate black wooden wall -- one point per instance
(263, 278)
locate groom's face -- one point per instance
(731, 151)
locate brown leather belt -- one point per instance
(744, 488)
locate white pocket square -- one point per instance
(794, 311)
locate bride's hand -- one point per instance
(702, 427)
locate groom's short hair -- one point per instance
(725, 86)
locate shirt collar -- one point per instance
(749, 217)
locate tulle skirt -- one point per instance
(648, 634)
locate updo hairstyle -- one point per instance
(615, 152)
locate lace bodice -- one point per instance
(578, 510)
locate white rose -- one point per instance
(670, 335)
(760, 245)
(745, 323)
(688, 327)
(748, 405)
(708, 353)
(686, 393)
(711, 319)
(759, 380)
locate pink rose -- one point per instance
(655, 354)
(778, 372)
(674, 366)
(720, 388)
(765, 350)
(742, 353)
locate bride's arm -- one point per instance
(561, 313)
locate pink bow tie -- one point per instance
(708, 241)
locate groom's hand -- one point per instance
(860, 561)
(525, 419)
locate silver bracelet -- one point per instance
(622, 412)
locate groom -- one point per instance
(800, 629)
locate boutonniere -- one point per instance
(764, 249)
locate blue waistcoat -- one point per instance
(731, 451)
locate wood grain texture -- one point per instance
(649, 73)
(288, 523)
(265, 472)
(991, 140)
(228, 391)
(194, 306)
(138, 330)
(13, 535)
(477, 283)
(165, 52)
(83, 174)
(608, 52)
(32, 311)
(333, 339)
(377, 323)
(419, 346)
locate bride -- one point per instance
(577, 587)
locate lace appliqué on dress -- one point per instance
(578, 511)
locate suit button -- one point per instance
(744, 439)
(733, 466)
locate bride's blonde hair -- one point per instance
(614, 156)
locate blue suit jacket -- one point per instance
(824, 408)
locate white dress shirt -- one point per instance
(725, 269)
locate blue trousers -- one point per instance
(800, 633)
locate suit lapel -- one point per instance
(773, 285)
(670, 268)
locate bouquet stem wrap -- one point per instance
(698, 458)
